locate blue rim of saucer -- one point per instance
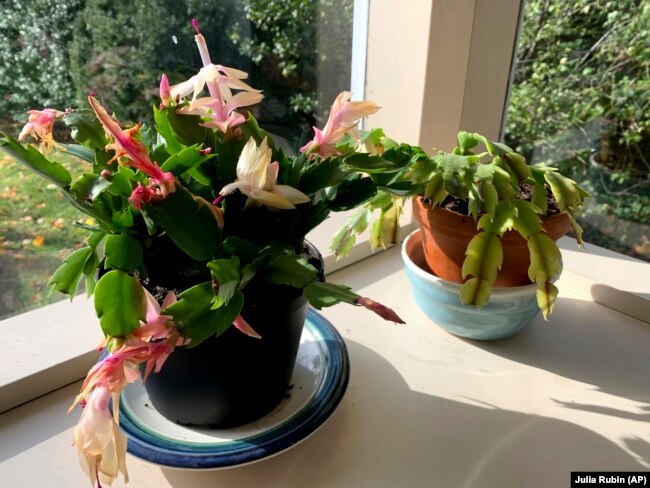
(153, 446)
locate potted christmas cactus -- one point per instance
(197, 257)
(485, 258)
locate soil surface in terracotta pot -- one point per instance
(446, 234)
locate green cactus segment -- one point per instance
(483, 198)
(515, 165)
(86, 129)
(327, 294)
(188, 221)
(67, 277)
(567, 193)
(386, 228)
(197, 319)
(546, 298)
(344, 239)
(435, 190)
(119, 303)
(123, 252)
(545, 257)
(35, 161)
(226, 275)
(483, 260)
(526, 218)
(545, 267)
(577, 230)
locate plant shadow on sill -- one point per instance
(577, 342)
(385, 434)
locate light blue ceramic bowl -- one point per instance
(509, 309)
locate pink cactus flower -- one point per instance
(165, 95)
(135, 153)
(344, 116)
(381, 310)
(100, 443)
(40, 125)
(220, 107)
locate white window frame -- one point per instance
(435, 67)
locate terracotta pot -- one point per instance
(446, 235)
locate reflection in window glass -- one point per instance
(54, 52)
(580, 100)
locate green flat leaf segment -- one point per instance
(483, 257)
(86, 129)
(184, 160)
(89, 186)
(502, 220)
(197, 320)
(565, 191)
(385, 228)
(516, 166)
(123, 252)
(475, 292)
(79, 151)
(227, 277)
(327, 294)
(546, 297)
(119, 303)
(545, 267)
(35, 161)
(526, 220)
(188, 221)
(165, 130)
(546, 259)
(344, 239)
(66, 278)
(290, 270)
(90, 268)
(319, 175)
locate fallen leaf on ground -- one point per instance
(38, 241)
(58, 223)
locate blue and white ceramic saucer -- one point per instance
(319, 381)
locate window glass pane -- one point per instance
(580, 100)
(54, 52)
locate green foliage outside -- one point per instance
(54, 52)
(34, 63)
(581, 100)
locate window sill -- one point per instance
(53, 346)
(457, 411)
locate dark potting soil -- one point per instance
(460, 206)
(309, 252)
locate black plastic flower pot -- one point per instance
(234, 379)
